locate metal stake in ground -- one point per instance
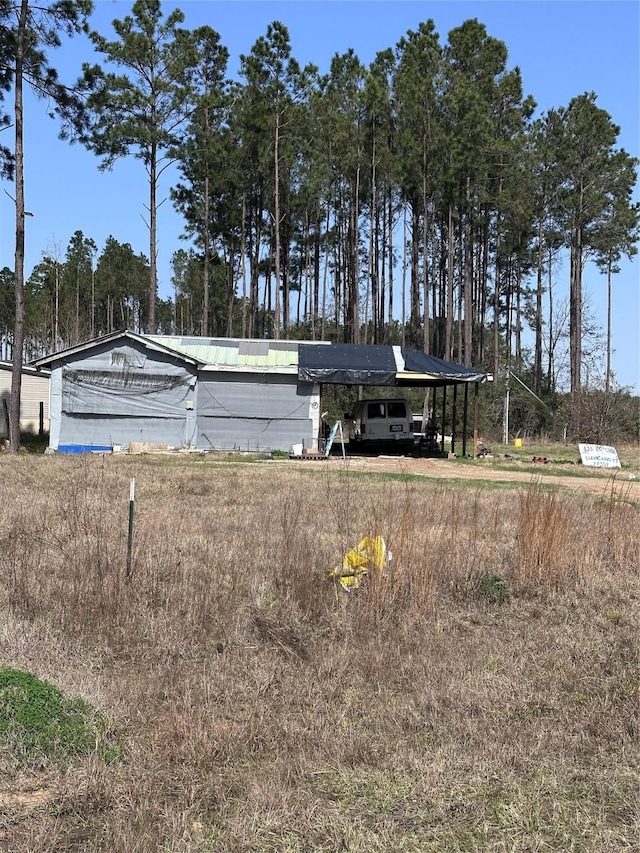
(132, 500)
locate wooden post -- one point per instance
(475, 422)
(132, 500)
(6, 418)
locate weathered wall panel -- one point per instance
(126, 393)
(85, 430)
(121, 393)
(249, 411)
(124, 390)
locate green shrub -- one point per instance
(492, 587)
(280, 454)
(34, 443)
(37, 721)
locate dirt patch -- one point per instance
(600, 482)
(16, 807)
(27, 800)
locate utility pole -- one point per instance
(505, 420)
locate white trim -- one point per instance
(249, 368)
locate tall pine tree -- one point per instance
(29, 31)
(141, 111)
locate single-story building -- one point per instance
(129, 389)
(34, 399)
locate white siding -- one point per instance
(35, 390)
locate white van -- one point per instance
(380, 423)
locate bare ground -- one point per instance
(601, 481)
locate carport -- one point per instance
(377, 365)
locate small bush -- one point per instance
(34, 443)
(491, 587)
(37, 721)
(279, 454)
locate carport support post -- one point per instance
(464, 419)
(444, 415)
(453, 419)
(475, 421)
(433, 444)
(320, 434)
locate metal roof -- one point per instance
(145, 340)
(238, 353)
(26, 369)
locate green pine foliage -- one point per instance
(419, 200)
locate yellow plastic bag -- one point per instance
(371, 553)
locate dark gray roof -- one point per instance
(368, 364)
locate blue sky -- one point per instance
(563, 48)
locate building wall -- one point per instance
(122, 393)
(255, 411)
(35, 390)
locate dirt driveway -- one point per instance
(601, 481)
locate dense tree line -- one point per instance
(417, 200)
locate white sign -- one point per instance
(599, 456)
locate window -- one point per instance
(397, 410)
(375, 410)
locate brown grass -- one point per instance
(481, 693)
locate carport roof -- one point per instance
(369, 364)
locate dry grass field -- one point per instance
(481, 693)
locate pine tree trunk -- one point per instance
(537, 358)
(243, 266)
(426, 343)
(355, 262)
(468, 280)
(391, 266)
(415, 275)
(607, 382)
(276, 225)
(205, 282)
(404, 272)
(18, 334)
(519, 313)
(575, 326)
(153, 267)
(551, 379)
(373, 272)
(231, 292)
(481, 287)
(496, 313)
(448, 334)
